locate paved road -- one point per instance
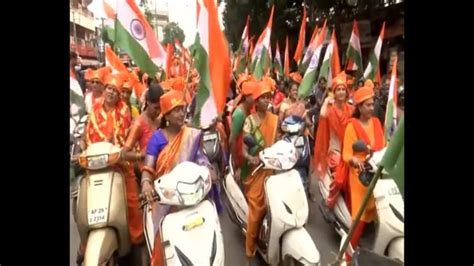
(326, 239)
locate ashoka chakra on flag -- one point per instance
(137, 29)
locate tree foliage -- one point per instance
(171, 32)
(288, 15)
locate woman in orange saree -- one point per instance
(334, 116)
(170, 145)
(262, 126)
(362, 126)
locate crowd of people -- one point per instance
(148, 118)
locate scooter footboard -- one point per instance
(297, 243)
(101, 245)
(182, 230)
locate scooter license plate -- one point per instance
(209, 137)
(98, 215)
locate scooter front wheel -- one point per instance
(113, 261)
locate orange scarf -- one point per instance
(336, 120)
(108, 126)
(378, 133)
(342, 172)
(169, 155)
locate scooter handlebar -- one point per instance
(143, 201)
(258, 168)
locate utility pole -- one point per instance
(102, 46)
(74, 28)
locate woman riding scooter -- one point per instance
(362, 126)
(262, 126)
(108, 122)
(173, 143)
(333, 118)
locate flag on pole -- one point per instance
(354, 53)
(277, 61)
(198, 9)
(303, 66)
(213, 64)
(135, 36)
(374, 57)
(113, 61)
(301, 38)
(287, 59)
(315, 33)
(106, 10)
(242, 52)
(330, 66)
(261, 55)
(169, 59)
(394, 158)
(306, 85)
(391, 113)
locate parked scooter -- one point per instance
(196, 220)
(389, 239)
(282, 237)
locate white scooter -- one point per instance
(293, 128)
(389, 239)
(196, 221)
(282, 236)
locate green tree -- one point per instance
(288, 15)
(171, 32)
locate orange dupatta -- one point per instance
(169, 155)
(343, 169)
(336, 120)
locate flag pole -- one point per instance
(356, 221)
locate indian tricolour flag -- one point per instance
(301, 38)
(241, 58)
(373, 65)
(136, 37)
(306, 85)
(113, 61)
(287, 59)
(261, 55)
(331, 66)
(354, 53)
(391, 113)
(277, 63)
(105, 9)
(212, 61)
(303, 65)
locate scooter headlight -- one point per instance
(275, 163)
(168, 193)
(191, 194)
(97, 162)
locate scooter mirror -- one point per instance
(359, 146)
(249, 141)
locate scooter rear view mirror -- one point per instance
(249, 141)
(359, 146)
